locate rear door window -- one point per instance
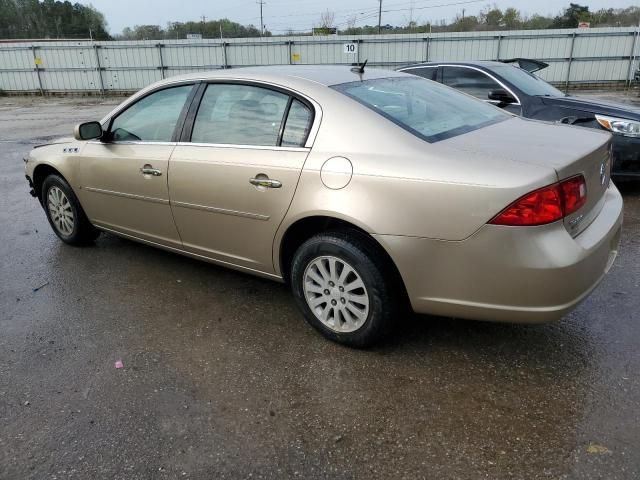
(238, 114)
(297, 126)
(430, 73)
(470, 81)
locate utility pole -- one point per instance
(463, 15)
(261, 3)
(411, 17)
(204, 19)
(379, 16)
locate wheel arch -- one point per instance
(304, 228)
(40, 172)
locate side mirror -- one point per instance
(501, 96)
(87, 131)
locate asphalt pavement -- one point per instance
(222, 378)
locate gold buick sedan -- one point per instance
(366, 190)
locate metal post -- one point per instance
(99, 69)
(573, 42)
(427, 41)
(498, 49)
(359, 41)
(224, 55)
(289, 44)
(159, 45)
(632, 58)
(33, 51)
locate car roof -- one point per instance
(320, 74)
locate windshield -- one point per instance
(427, 109)
(527, 82)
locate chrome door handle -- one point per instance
(149, 170)
(265, 182)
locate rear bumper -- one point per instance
(509, 274)
(626, 157)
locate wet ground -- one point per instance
(223, 379)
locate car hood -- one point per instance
(595, 105)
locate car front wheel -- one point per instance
(64, 212)
(343, 288)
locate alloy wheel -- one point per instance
(336, 294)
(60, 211)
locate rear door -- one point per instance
(234, 174)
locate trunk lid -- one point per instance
(596, 169)
(569, 150)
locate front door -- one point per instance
(123, 178)
(232, 184)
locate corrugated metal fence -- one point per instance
(576, 57)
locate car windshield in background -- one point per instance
(527, 82)
(426, 109)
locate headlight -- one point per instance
(622, 126)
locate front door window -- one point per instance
(152, 119)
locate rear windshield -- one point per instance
(427, 109)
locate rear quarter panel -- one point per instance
(402, 185)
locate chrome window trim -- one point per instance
(477, 70)
(244, 147)
(417, 66)
(133, 142)
(313, 131)
(197, 144)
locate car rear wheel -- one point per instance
(343, 292)
(64, 212)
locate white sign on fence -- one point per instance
(194, 36)
(350, 47)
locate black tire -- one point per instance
(83, 232)
(363, 255)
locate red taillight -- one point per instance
(545, 205)
(574, 194)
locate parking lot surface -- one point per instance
(222, 378)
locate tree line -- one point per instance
(63, 19)
(224, 28)
(494, 18)
(50, 19)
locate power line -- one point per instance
(374, 10)
(361, 13)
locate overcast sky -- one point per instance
(280, 15)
